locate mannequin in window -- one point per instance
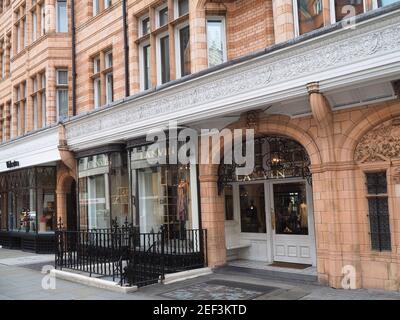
(303, 214)
(182, 205)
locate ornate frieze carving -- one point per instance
(380, 144)
(338, 50)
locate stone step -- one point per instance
(268, 274)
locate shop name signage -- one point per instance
(12, 164)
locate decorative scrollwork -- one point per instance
(275, 158)
(380, 144)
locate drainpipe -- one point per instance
(73, 36)
(126, 47)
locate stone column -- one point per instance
(212, 215)
(283, 20)
(7, 57)
(50, 23)
(153, 52)
(29, 107)
(103, 96)
(39, 102)
(198, 37)
(7, 118)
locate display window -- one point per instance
(28, 201)
(103, 190)
(162, 195)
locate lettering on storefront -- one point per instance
(12, 164)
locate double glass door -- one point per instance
(283, 212)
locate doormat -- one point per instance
(298, 266)
(219, 290)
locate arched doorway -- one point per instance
(269, 213)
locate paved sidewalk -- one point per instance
(21, 278)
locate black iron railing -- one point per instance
(128, 256)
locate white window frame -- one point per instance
(141, 31)
(332, 9)
(224, 42)
(107, 64)
(158, 56)
(141, 64)
(95, 7)
(58, 78)
(97, 92)
(42, 20)
(177, 47)
(109, 100)
(176, 9)
(58, 18)
(61, 87)
(158, 9)
(34, 26)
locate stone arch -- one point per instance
(281, 126)
(354, 136)
(64, 184)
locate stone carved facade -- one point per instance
(380, 144)
(325, 54)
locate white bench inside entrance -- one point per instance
(234, 250)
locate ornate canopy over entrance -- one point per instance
(275, 157)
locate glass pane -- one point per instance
(150, 209)
(119, 187)
(291, 209)
(164, 48)
(310, 15)
(252, 208)
(97, 202)
(163, 16)
(145, 26)
(62, 16)
(26, 210)
(215, 42)
(228, 203)
(47, 211)
(382, 3)
(62, 103)
(62, 77)
(342, 10)
(183, 7)
(109, 87)
(184, 45)
(3, 211)
(146, 67)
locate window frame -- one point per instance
(222, 19)
(158, 57)
(332, 10)
(61, 87)
(58, 18)
(177, 47)
(176, 9)
(140, 27)
(142, 45)
(157, 14)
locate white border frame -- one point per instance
(224, 43)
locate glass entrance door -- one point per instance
(290, 219)
(252, 208)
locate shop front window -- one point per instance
(162, 196)
(252, 208)
(28, 201)
(103, 190)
